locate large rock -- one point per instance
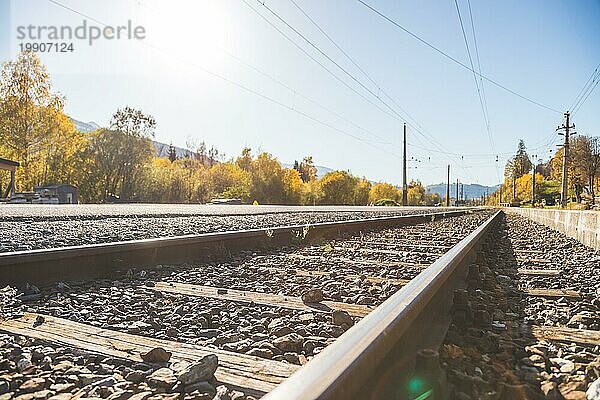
(157, 355)
(291, 342)
(339, 318)
(312, 296)
(566, 366)
(260, 352)
(163, 377)
(202, 370)
(33, 385)
(202, 387)
(593, 392)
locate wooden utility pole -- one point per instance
(533, 181)
(456, 192)
(565, 170)
(404, 183)
(448, 189)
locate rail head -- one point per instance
(66, 252)
(46, 266)
(341, 370)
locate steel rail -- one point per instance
(373, 359)
(96, 260)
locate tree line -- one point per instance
(583, 175)
(119, 162)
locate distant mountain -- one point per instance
(321, 170)
(162, 150)
(471, 190)
(85, 126)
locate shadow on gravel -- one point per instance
(486, 349)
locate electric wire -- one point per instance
(293, 90)
(237, 84)
(586, 91)
(456, 61)
(416, 126)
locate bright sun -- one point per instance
(192, 29)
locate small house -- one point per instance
(65, 193)
(11, 166)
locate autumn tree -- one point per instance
(245, 160)
(228, 180)
(383, 191)
(307, 169)
(361, 192)
(33, 128)
(311, 193)
(292, 186)
(267, 180)
(172, 153)
(338, 187)
(122, 152)
(416, 193)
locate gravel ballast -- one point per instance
(22, 230)
(491, 352)
(128, 303)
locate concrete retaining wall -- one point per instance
(581, 225)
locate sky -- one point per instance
(217, 71)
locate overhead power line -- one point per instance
(333, 74)
(237, 84)
(416, 126)
(586, 91)
(412, 121)
(293, 90)
(456, 61)
(324, 54)
(477, 79)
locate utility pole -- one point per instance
(533, 181)
(448, 189)
(404, 183)
(456, 192)
(565, 170)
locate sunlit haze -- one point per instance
(217, 71)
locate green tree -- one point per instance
(129, 136)
(520, 164)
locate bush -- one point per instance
(386, 203)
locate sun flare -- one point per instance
(192, 30)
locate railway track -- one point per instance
(338, 310)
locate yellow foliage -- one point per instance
(381, 191)
(337, 187)
(292, 186)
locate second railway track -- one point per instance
(265, 312)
